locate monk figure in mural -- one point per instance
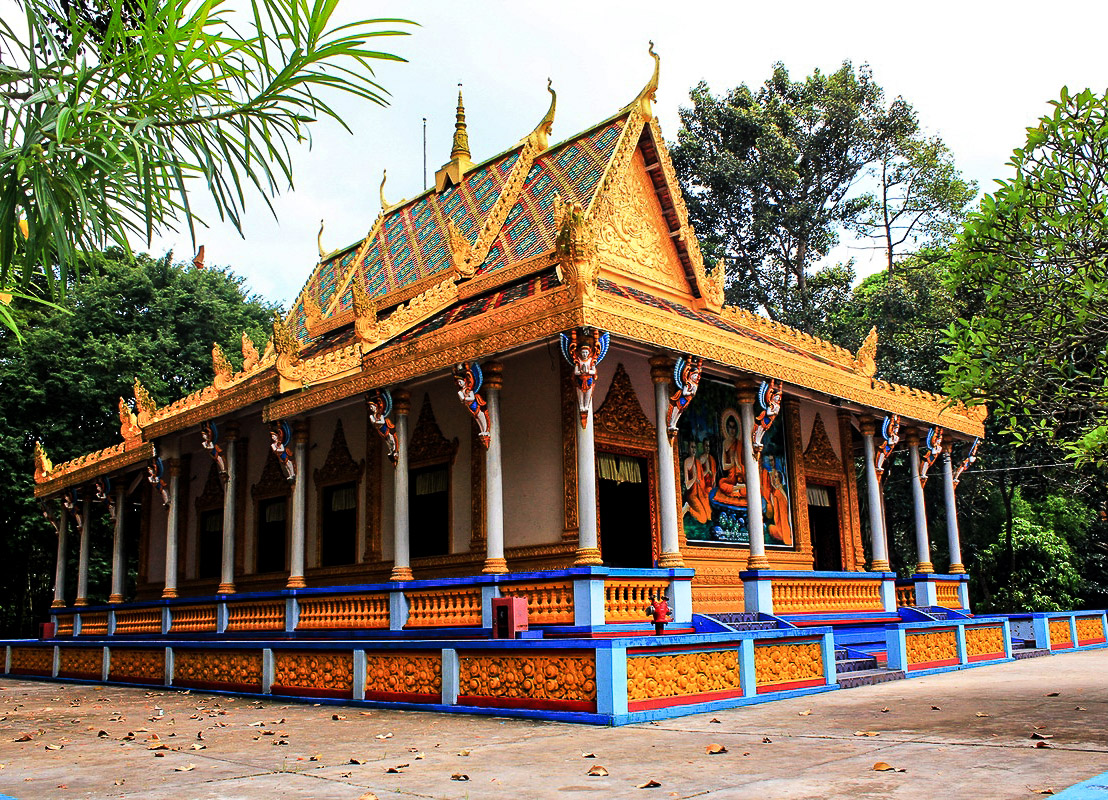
(777, 508)
(699, 472)
(732, 486)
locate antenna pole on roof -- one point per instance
(425, 153)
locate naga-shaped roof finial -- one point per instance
(384, 177)
(43, 465)
(865, 361)
(319, 241)
(144, 403)
(648, 95)
(541, 134)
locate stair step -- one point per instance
(1029, 652)
(840, 654)
(844, 665)
(868, 677)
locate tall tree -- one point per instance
(140, 317)
(768, 175)
(114, 111)
(1035, 258)
(920, 196)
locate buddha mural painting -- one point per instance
(713, 479)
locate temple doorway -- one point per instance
(823, 523)
(623, 501)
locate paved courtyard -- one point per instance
(970, 734)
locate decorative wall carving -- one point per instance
(340, 466)
(427, 444)
(682, 675)
(787, 663)
(554, 677)
(620, 417)
(820, 455)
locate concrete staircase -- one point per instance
(861, 669)
(1024, 648)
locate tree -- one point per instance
(130, 317)
(1034, 259)
(115, 110)
(921, 196)
(768, 175)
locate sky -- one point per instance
(978, 73)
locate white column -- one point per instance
(59, 567)
(953, 541)
(923, 543)
(876, 502)
(588, 550)
(227, 575)
(173, 467)
(494, 475)
(401, 559)
(118, 566)
(670, 557)
(299, 507)
(82, 558)
(753, 477)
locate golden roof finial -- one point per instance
(461, 136)
(319, 241)
(541, 134)
(649, 92)
(384, 177)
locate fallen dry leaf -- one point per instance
(1037, 735)
(159, 755)
(336, 716)
(981, 714)
(715, 749)
(1043, 744)
(650, 784)
(186, 768)
(882, 766)
(885, 710)
(936, 708)
(383, 736)
(463, 752)
(1051, 694)
(459, 776)
(357, 761)
(102, 735)
(766, 740)
(715, 721)
(1080, 708)
(805, 713)
(1045, 790)
(597, 771)
(23, 737)
(866, 733)
(54, 746)
(588, 755)
(368, 796)
(195, 746)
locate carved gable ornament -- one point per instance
(340, 466)
(428, 445)
(820, 455)
(272, 482)
(212, 495)
(620, 417)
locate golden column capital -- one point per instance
(300, 431)
(493, 375)
(401, 400)
(912, 437)
(661, 368)
(868, 426)
(173, 467)
(229, 431)
(747, 388)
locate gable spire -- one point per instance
(450, 174)
(461, 135)
(643, 102)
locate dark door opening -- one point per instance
(823, 523)
(429, 511)
(624, 505)
(338, 531)
(272, 532)
(209, 561)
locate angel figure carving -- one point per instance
(209, 440)
(769, 398)
(379, 404)
(280, 437)
(468, 378)
(686, 377)
(584, 353)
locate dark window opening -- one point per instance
(272, 535)
(339, 531)
(429, 511)
(209, 563)
(823, 524)
(626, 533)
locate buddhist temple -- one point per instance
(489, 440)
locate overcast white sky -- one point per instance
(978, 73)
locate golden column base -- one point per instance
(925, 566)
(670, 561)
(225, 588)
(401, 574)
(81, 601)
(167, 593)
(882, 566)
(588, 557)
(757, 562)
(58, 604)
(296, 582)
(115, 598)
(495, 566)
(957, 569)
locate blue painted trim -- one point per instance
(753, 574)
(1095, 788)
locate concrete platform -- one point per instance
(813, 752)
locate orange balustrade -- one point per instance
(626, 599)
(266, 615)
(139, 620)
(192, 619)
(352, 612)
(547, 603)
(447, 608)
(831, 595)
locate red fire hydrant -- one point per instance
(659, 610)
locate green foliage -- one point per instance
(1034, 259)
(131, 317)
(112, 113)
(1042, 570)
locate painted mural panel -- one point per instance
(713, 484)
